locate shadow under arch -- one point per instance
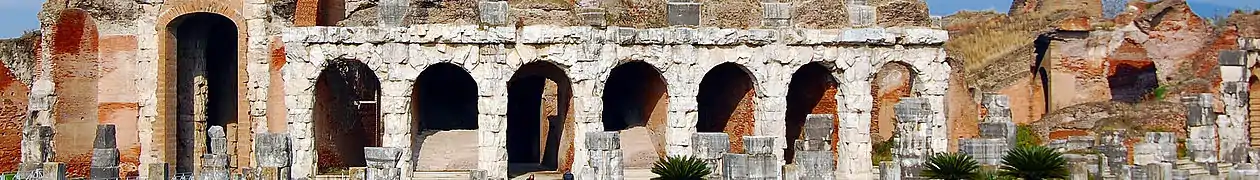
(636, 102)
(203, 48)
(812, 90)
(346, 115)
(540, 119)
(444, 110)
(726, 103)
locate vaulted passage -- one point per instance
(726, 103)
(1131, 81)
(347, 115)
(539, 127)
(812, 91)
(207, 84)
(892, 82)
(444, 118)
(636, 103)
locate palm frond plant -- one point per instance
(951, 166)
(1034, 163)
(680, 168)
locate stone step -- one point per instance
(442, 175)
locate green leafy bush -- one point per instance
(680, 168)
(951, 166)
(1025, 136)
(881, 150)
(1034, 163)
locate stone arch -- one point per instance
(812, 90)
(1253, 104)
(75, 74)
(175, 15)
(891, 82)
(1131, 80)
(725, 103)
(636, 102)
(346, 114)
(319, 12)
(444, 119)
(540, 119)
(204, 52)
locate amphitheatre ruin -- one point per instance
(492, 89)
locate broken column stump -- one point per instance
(104, 153)
(604, 149)
(1201, 125)
(997, 121)
(215, 164)
(762, 163)
(911, 150)
(272, 153)
(382, 163)
(709, 146)
(813, 158)
(986, 151)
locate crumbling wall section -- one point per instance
(15, 55)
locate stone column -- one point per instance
(1200, 123)
(911, 150)
(735, 166)
(762, 163)
(382, 163)
(986, 151)
(889, 170)
(813, 157)
(215, 164)
(104, 153)
(1157, 147)
(997, 119)
(1232, 125)
(36, 148)
(1158, 171)
(605, 159)
(1111, 145)
(271, 151)
(710, 146)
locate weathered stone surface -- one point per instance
(103, 173)
(683, 13)
(272, 150)
(593, 17)
(1159, 171)
(819, 126)
(608, 140)
(735, 166)
(758, 145)
(889, 170)
(493, 13)
(912, 148)
(1111, 145)
(1233, 58)
(382, 157)
(392, 13)
(161, 171)
(710, 147)
(1078, 171)
(815, 165)
(105, 137)
(104, 157)
(861, 15)
(986, 151)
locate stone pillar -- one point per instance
(104, 153)
(36, 148)
(271, 152)
(1111, 145)
(1156, 147)
(762, 163)
(813, 157)
(604, 149)
(156, 171)
(393, 13)
(1158, 171)
(1200, 123)
(776, 14)
(861, 14)
(997, 121)
(215, 164)
(493, 13)
(382, 163)
(682, 12)
(911, 150)
(986, 151)
(52, 171)
(889, 170)
(710, 146)
(735, 166)
(1232, 125)
(1078, 171)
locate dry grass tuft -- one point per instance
(978, 38)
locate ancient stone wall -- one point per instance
(682, 61)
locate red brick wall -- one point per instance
(812, 91)
(891, 83)
(726, 104)
(75, 78)
(13, 102)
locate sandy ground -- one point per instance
(448, 150)
(637, 148)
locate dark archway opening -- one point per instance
(444, 108)
(725, 103)
(330, 12)
(207, 83)
(346, 115)
(1132, 81)
(539, 119)
(635, 103)
(812, 91)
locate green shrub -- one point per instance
(881, 150)
(951, 166)
(1025, 136)
(680, 168)
(1034, 163)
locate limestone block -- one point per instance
(1199, 110)
(105, 157)
(273, 173)
(383, 173)
(1159, 171)
(103, 172)
(392, 13)
(683, 13)
(1165, 144)
(923, 36)
(1180, 174)
(776, 14)
(819, 126)
(607, 140)
(812, 145)
(1004, 130)
(161, 171)
(1111, 145)
(593, 17)
(861, 15)
(815, 165)
(710, 145)
(214, 160)
(735, 166)
(986, 151)
(889, 170)
(1233, 58)
(52, 171)
(758, 145)
(1078, 171)
(272, 149)
(764, 166)
(105, 137)
(382, 157)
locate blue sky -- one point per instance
(17, 16)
